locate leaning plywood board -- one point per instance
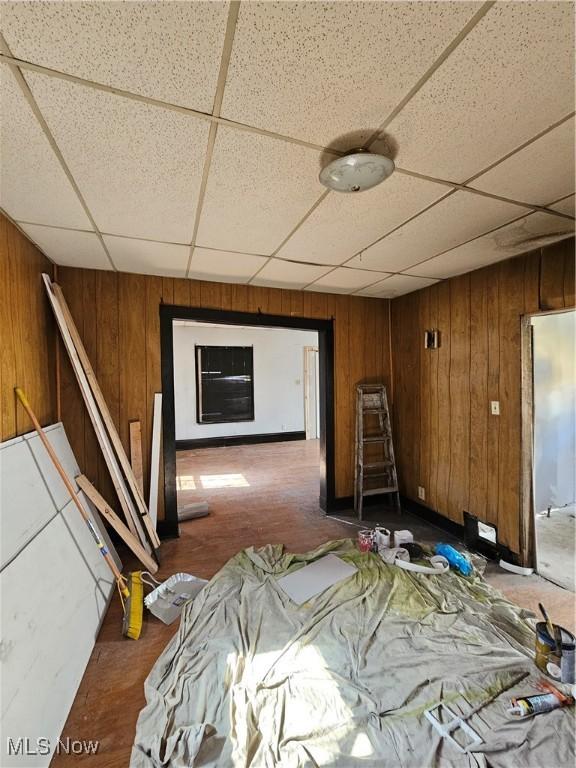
(31, 491)
(128, 507)
(104, 413)
(155, 457)
(55, 588)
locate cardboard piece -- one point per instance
(307, 582)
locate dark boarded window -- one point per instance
(224, 384)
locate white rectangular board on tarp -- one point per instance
(55, 588)
(307, 582)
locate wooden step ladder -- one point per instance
(375, 468)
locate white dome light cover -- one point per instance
(357, 171)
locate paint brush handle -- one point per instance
(553, 630)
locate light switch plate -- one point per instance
(421, 493)
(495, 407)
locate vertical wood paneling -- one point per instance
(132, 344)
(27, 332)
(470, 458)
(493, 393)
(478, 392)
(432, 487)
(511, 308)
(90, 339)
(552, 271)
(443, 424)
(459, 485)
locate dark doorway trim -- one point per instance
(325, 329)
(221, 442)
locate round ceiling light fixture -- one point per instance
(356, 171)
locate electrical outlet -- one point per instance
(421, 492)
(495, 407)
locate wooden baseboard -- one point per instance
(220, 442)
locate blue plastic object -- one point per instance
(456, 559)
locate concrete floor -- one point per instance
(556, 546)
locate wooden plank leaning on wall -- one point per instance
(476, 462)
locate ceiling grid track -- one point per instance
(28, 95)
(219, 95)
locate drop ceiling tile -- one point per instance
(168, 51)
(510, 78)
(286, 274)
(258, 190)
(68, 247)
(148, 258)
(565, 206)
(33, 186)
(542, 172)
(224, 266)
(138, 167)
(451, 222)
(343, 280)
(343, 224)
(396, 285)
(317, 70)
(521, 236)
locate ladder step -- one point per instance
(377, 464)
(376, 439)
(374, 491)
(374, 410)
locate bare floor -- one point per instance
(556, 546)
(257, 495)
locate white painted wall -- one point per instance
(554, 410)
(278, 378)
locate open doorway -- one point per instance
(554, 435)
(247, 412)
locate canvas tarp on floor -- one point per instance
(251, 679)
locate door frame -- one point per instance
(528, 553)
(307, 419)
(168, 527)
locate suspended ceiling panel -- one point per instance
(286, 274)
(343, 224)
(457, 88)
(450, 222)
(33, 186)
(396, 286)
(540, 173)
(324, 69)
(343, 280)
(509, 79)
(68, 247)
(138, 166)
(167, 51)
(147, 257)
(258, 190)
(531, 232)
(224, 266)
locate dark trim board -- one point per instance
(325, 329)
(220, 442)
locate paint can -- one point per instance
(560, 667)
(365, 540)
(381, 538)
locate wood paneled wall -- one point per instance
(27, 334)
(446, 439)
(118, 318)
